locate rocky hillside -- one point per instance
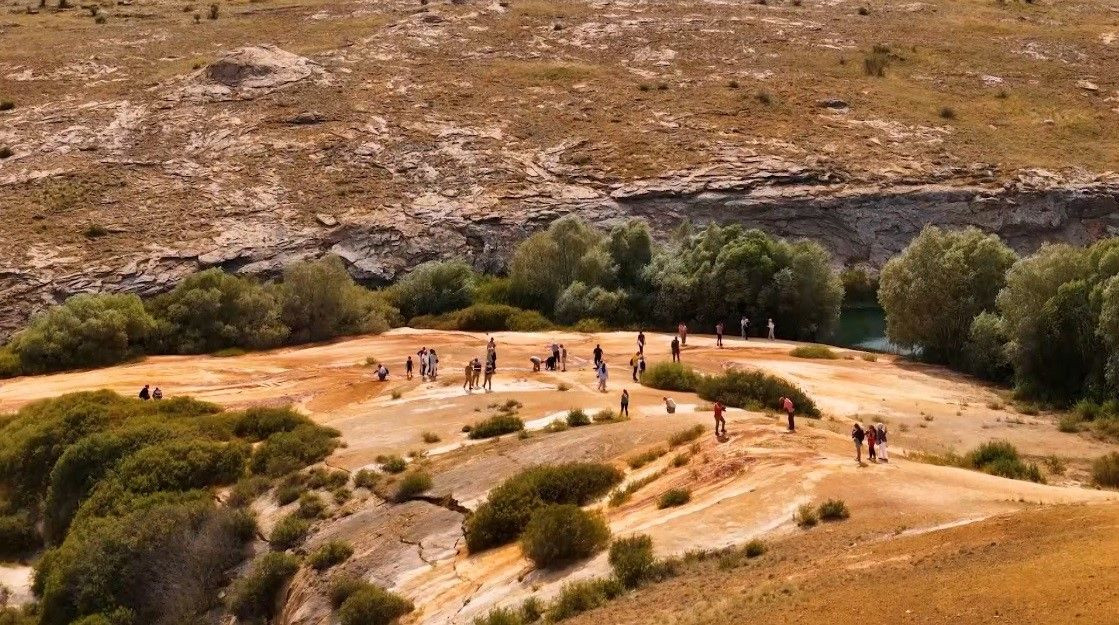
(147, 139)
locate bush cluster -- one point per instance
(736, 388)
(557, 534)
(1105, 470)
(330, 554)
(671, 376)
(496, 426)
(674, 497)
(510, 506)
(362, 603)
(1001, 458)
(255, 596)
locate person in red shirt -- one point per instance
(789, 408)
(871, 439)
(720, 421)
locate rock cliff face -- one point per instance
(858, 223)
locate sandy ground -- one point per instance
(744, 487)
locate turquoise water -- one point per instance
(865, 328)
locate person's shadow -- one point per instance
(722, 438)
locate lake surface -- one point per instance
(864, 327)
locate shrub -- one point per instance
(366, 479)
(329, 480)
(413, 483)
(581, 301)
(496, 426)
(341, 586)
(681, 459)
(589, 326)
(17, 535)
(392, 464)
(557, 425)
(561, 533)
(288, 491)
(1105, 470)
(311, 506)
(764, 97)
(686, 436)
(670, 376)
(329, 554)
(284, 452)
(7, 105)
(581, 596)
(485, 317)
(510, 505)
(247, 489)
(577, 418)
(822, 352)
(806, 516)
(255, 595)
(430, 437)
(877, 61)
(528, 321)
(754, 548)
(947, 112)
(500, 616)
(833, 510)
(259, 423)
(372, 605)
(434, 288)
(632, 559)
(1001, 458)
(95, 231)
(288, 532)
(622, 495)
(754, 389)
(320, 301)
(637, 461)
(606, 415)
(674, 497)
(85, 331)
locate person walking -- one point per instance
(597, 356)
(487, 383)
(602, 376)
(422, 356)
(157, 394)
(640, 341)
(871, 439)
(491, 352)
(563, 357)
(883, 455)
(634, 363)
(719, 335)
(468, 376)
(682, 331)
(625, 404)
(772, 329)
(857, 435)
(476, 373)
(408, 366)
(789, 408)
(675, 349)
(556, 354)
(745, 323)
(640, 368)
(145, 394)
(720, 420)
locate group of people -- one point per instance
(147, 393)
(556, 361)
(429, 365)
(875, 438)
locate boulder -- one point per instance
(260, 68)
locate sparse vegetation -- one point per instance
(622, 495)
(254, 597)
(833, 510)
(637, 461)
(311, 506)
(577, 418)
(392, 464)
(632, 560)
(806, 516)
(754, 549)
(289, 532)
(496, 425)
(1002, 459)
(822, 352)
(413, 483)
(329, 554)
(686, 436)
(674, 497)
(430, 437)
(947, 112)
(1105, 470)
(581, 596)
(557, 534)
(877, 61)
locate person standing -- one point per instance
(422, 355)
(491, 351)
(682, 332)
(408, 368)
(476, 373)
(857, 435)
(634, 363)
(883, 455)
(468, 376)
(772, 329)
(640, 341)
(675, 349)
(871, 439)
(563, 356)
(432, 363)
(625, 404)
(602, 376)
(555, 354)
(720, 420)
(488, 382)
(597, 356)
(719, 335)
(789, 408)
(640, 368)
(145, 394)
(745, 323)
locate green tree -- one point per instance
(579, 301)
(630, 245)
(933, 290)
(546, 262)
(321, 301)
(433, 288)
(85, 331)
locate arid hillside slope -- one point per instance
(150, 140)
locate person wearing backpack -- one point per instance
(857, 435)
(145, 394)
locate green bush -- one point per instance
(327, 480)
(637, 461)
(753, 390)
(342, 585)
(247, 489)
(366, 479)
(510, 505)
(561, 533)
(320, 300)
(17, 535)
(496, 426)
(1105, 470)
(589, 326)
(606, 415)
(10, 365)
(501, 616)
(577, 418)
(1001, 458)
(754, 548)
(528, 321)
(413, 483)
(433, 288)
(85, 331)
(284, 452)
(259, 423)
(821, 352)
(485, 317)
(670, 376)
(806, 516)
(632, 559)
(311, 506)
(330, 554)
(674, 497)
(580, 301)
(372, 605)
(392, 464)
(578, 597)
(289, 490)
(181, 465)
(288, 532)
(256, 595)
(833, 510)
(686, 436)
